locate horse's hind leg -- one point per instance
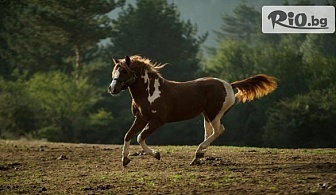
(208, 130)
(218, 129)
(150, 128)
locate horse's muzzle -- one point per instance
(113, 90)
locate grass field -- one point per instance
(32, 167)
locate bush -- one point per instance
(63, 106)
(303, 121)
(16, 110)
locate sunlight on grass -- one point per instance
(320, 151)
(228, 179)
(176, 177)
(170, 149)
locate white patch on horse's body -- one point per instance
(229, 99)
(156, 93)
(146, 79)
(114, 82)
(154, 111)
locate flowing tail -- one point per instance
(254, 87)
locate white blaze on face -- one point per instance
(114, 82)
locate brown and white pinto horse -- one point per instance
(156, 101)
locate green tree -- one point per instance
(244, 51)
(242, 25)
(154, 29)
(238, 60)
(306, 119)
(303, 121)
(37, 37)
(232, 61)
(319, 44)
(81, 24)
(4, 12)
(64, 107)
(48, 35)
(16, 110)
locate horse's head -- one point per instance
(122, 76)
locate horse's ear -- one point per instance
(128, 60)
(115, 61)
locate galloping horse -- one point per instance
(156, 101)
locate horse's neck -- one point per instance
(144, 83)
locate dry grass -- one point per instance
(59, 168)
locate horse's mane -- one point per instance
(141, 63)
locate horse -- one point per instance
(156, 100)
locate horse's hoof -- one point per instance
(195, 161)
(125, 161)
(157, 155)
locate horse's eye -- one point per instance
(123, 71)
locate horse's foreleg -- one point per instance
(137, 126)
(150, 128)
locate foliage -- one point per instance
(154, 29)
(53, 35)
(241, 24)
(303, 121)
(63, 106)
(16, 110)
(307, 120)
(232, 61)
(45, 44)
(304, 67)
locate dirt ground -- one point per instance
(31, 167)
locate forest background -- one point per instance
(55, 66)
